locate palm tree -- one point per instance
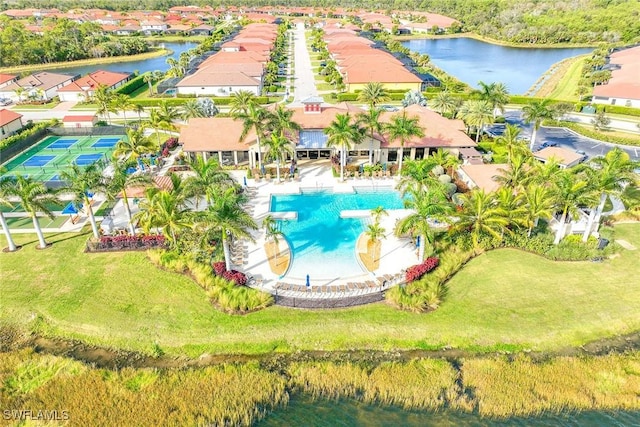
(226, 216)
(517, 175)
(258, 119)
(7, 185)
(34, 198)
(536, 112)
(152, 76)
(118, 183)
(428, 204)
(445, 159)
(272, 233)
(511, 203)
(192, 109)
(610, 174)
(209, 179)
(133, 146)
(375, 232)
(139, 109)
(103, 97)
(277, 148)
(370, 120)
(403, 128)
(159, 121)
(373, 94)
(444, 103)
(282, 122)
(545, 173)
(378, 212)
(510, 141)
(538, 203)
(122, 102)
(571, 191)
(20, 91)
(81, 181)
(344, 134)
(165, 210)
(496, 94)
(476, 113)
(240, 102)
(480, 215)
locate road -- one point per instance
(304, 85)
(565, 138)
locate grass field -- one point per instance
(565, 81)
(502, 299)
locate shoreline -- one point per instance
(154, 53)
(493, 41)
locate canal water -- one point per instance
(471, 61)
(151, 64)
(304, 411)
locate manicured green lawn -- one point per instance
(504, 298)
(567, 85)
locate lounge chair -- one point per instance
(356, 174)
(365, 174)
(388, 174)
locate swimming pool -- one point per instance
(323, 244)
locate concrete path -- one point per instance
(304, 85)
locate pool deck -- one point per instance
(396, 254)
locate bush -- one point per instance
(128, 242)
(600, 136)
(28, 130)
(415, 272)
(219, 267)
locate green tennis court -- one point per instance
(46, 159)
(25, 222)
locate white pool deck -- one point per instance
(396, 254)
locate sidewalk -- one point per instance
(304, 85)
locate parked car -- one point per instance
(548, 144)
(5, 101)
(389, 108)
(583, 154)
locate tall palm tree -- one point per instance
(427, 204)
(34, 198)
(403, 128)
(545, 173)
(476, 113)
(118, 183)
(571, 191)
(610, 174)
(165, 210)
(517, 174)
(272, 232)
(480, 215)
(444, 103)
(277, 148)
(511, 203)
(226, 216)
(378, 212)
(343, 133)
(103, 97)
(151, 77)
(535, 113)
(133, 146)
(158, 121)
(7, 185)
(192, 109)
(80, 182)
(373, 94)
(538, 203)
(510, 141)
(370, 120)
(496, 94)
(282, 122)
(168, 113)
(122, 102)
(445, 159)
(375, 232)
(257, 118)
(240, 102)
(138, 109)
(208, 180)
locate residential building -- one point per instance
(7, 79)
(10, 123)
(566, 158)
(84, 88)
(80, 121)
(38, 86)
(623, 88)
(482, 176)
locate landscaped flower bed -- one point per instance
(127, 243)
(220, 269)
(415, 272)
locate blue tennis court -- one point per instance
(87, 159)
(106, 142)
(62, 144)
(38, 161)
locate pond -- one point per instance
(471, 61)
(151, 64)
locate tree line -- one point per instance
(62, 40)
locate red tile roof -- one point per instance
(95, 79)
(625, 82)
(85, 118)
(6, 78)
(8, 116)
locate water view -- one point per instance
(303, 410)
(151, 64)
(472, 60)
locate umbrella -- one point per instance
(244, 180)
(262, 169)
(384, 167)
(308, 283)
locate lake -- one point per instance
(151, 64)
(304, 411)
(471, 61)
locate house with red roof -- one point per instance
(84, 88)
(40, 86)
(624, 86)
(80, 121)
(7, 79)
(10, 123)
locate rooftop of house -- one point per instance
(624, 82)
(93, 80)
(564, 156)
(43, 80)
(483, 176)
(196, 135)
(8, 116)
(211, 77)
(79, 118)
(6, 78)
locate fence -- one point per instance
(96, 130)
(13, 149)
(329, 302)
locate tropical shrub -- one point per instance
(415, 272)
(132, 85)
(127, 242)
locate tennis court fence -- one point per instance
(94, 131)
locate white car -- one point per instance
(5, 101)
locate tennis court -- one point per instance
(46, 159)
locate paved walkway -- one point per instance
(396, 254)
(304, 85)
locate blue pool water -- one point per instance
(323, 244)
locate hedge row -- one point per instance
(26, 131)
(132, 85)
(613, 109)
(181, 101)
(394, 96)
(600, 136)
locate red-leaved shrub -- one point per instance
(415, 272)
(235, 276)
(219, 268)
